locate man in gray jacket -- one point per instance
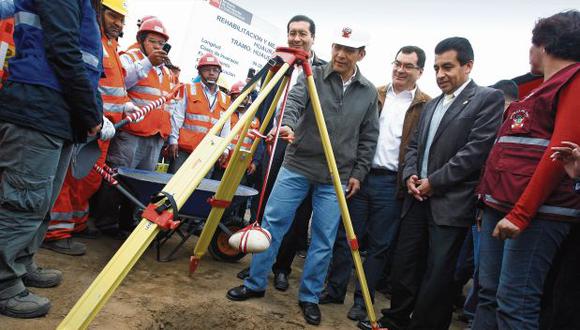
(349, 104)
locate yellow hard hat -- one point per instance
(223, 83)
(119, 6)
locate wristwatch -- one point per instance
(577, 185)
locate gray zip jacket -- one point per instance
(352, 121)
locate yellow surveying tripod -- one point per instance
(159, 214)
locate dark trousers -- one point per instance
(423, 269)
(375, 214)
(562, 290)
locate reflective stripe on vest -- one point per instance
(61, 225)
(204, 118)
(27, 18)
(112, 107)
(33, 20)
(112, 91)
(146, 90)
(546, 209)
(195, 128)
(524, 140)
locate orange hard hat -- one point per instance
(237, 87)
(152, 24)
(208, 59)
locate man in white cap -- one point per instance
(349, 103)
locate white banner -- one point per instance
(237, 37)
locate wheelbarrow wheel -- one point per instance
(220, 249)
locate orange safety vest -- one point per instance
(112, 85)
(248, 139)
(147, 90)
(7, 49)
(199, 119)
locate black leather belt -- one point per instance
(381, 171)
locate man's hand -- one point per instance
(425, 188)
(412, 183)
(130, 108)
(251, 169)
(157, 57)
(353, 187)
(93, 131)
(569, 155)
(505, 229)
(286, 133)
(173, 151)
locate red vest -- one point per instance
(199, 119)
(6, 46)
(112, 85)
(520, 145)
(147, 90)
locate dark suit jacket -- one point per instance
(458, 152)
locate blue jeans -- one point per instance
(512, 272)
(288, 192)
(375, 212)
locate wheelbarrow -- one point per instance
(141, 185)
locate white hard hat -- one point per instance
(351, 36)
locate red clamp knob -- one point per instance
(162, 219)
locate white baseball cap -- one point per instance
(351, 36)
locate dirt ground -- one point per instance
(162, 296)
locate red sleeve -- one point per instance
(549, 174)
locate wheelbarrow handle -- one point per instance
(143, 111)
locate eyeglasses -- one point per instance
(156, 42)
(404, 66)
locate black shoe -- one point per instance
(326, 298)
(366, 325)
(357, 313)
(387, 322)
(241, 293)
(281, 281)
(311, 312)
(243, 274)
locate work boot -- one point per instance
(66, 246)
(357, 313)
(42, 278)
(25, 305)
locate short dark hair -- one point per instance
(302, 18)
(461, 45)
(509, 89)
(414, 49)
(559, 34)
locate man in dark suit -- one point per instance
(442, 167)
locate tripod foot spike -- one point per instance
(193, 263)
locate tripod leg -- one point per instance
(331, 161)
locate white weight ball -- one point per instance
(251, 239)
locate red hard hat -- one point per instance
(208, 59)
(153, 24)
(237, 87)
(140, 21)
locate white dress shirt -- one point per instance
(391, 123)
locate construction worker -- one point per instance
(6, 46)
(199, 110)
(138, 145)
(238, 206)
(71, 210)
(49, 102)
